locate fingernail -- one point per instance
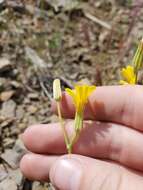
(66, 174)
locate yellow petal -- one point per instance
(122, 82)
(70, 92)
(128, 75)
(80, 95)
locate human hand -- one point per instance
(108, 154)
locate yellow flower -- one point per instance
(80, 95)
(128, 75)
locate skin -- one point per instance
(108, 154)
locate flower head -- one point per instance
(80, 95)
(128, 75)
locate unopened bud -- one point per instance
(138, 57)
(57, 92)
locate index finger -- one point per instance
(120, 104)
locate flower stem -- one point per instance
(136, 79)
(78, 121)
(66, 138)
(73, 140)
(78, 127)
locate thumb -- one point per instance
(75, 172)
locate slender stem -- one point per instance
(78, 121)
(66, 138)
(78, 127)
(136, 75)
(73, 140)
(69, 148)
(136, 79)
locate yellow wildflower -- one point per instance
(128, 75)
(80, 95)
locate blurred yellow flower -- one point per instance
(80, 95)
(129, 76)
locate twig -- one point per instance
(98, 21)
(45, 90)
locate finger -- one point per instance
(82, 173)
(36, 167)
(121, 104)
(74, 172)
(97, 139)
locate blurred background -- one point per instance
(40, 40)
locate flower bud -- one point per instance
(138, 57)
(57, 92)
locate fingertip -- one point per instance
(36, 167)
(43, 138)
(32, 136)
(27, 136)
(25, 166)
(71, 171)
(28, 131)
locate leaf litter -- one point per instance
(42, 40)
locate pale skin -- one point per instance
(107, 156)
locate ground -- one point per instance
(42, 40)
